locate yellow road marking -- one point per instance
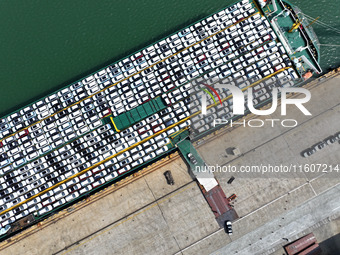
(130, 76)
(133, 146)
(177, 132)
(172, 136)
(257, 7)
(168, 143)
(146, 139)
(111, 118)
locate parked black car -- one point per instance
(169, 178)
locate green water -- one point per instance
(46, 45)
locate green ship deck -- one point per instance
(301, 42)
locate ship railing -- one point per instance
(316, 67)
(275, 8)
(306, 60)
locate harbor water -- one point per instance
(46, 45)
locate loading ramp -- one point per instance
(209, 186)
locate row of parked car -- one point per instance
(69, 130)
(202, 123)
(26, 116)
(55, 167)
(261, 93)
(75, 121)
(274, 58)
(165, 78)
(320, 145)
(81, 154)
